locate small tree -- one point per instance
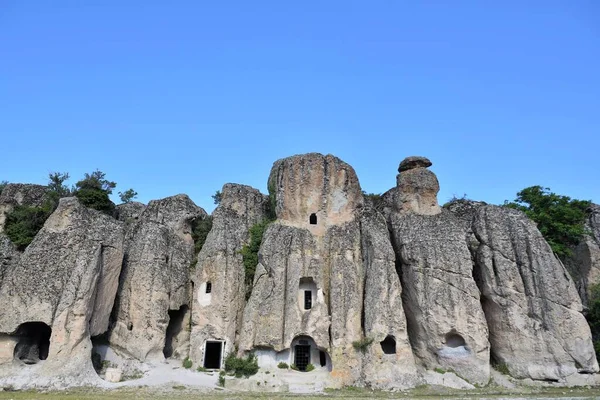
(217, 197)
(3, 185)
(56, 186)
(93, 191)
(128, 195)
(560, 219)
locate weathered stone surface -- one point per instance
(66, 280)
(531, 304)
(15, 194)
(218, 315)
(113, 375)
(129, 212)
(155, 277)
(416, 189)
(413, 162)
(314, 184)
(384, 317)
(447, 327)
(337, 261)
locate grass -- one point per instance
(186, 393)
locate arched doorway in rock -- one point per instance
(388, 345)
(454, 340)
(312, 219)
(33, 342)
(305, 351)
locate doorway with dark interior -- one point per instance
(302, 356)
(212, 354)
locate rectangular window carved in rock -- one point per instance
(307, 299)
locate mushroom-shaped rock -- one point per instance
(416, 189)
(413, 162)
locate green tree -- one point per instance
(128, 195)
(3, 185)
(200, 230)
(593, 316)
(217, 197)
(24, 222)
(560, 219)
(56, 186)
(93, 191)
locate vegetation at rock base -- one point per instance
(283, 365)
(250, 253)
(362, 344)
(128, 195)
(559, 218)
(187, 363)
(310, 367)
(222, 378)
(241, 366)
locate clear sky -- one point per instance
(173, 97)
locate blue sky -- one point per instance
(184, 96)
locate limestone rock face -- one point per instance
(219, 278)
(416, 189)
(531, 304)
(155, 277)
(63, 287)
(446, 323)
(315, 277)
(15, 194)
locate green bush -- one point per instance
(593, 316)
(222, 378)
(241, 366)
(24, 222)
(560, 219)
(250, 254)
(362, 344)
(310, 367)
(201, 369)
(200, 230)
(93, 191)
(283, 365)
(187, 363)
(3, 185)
(294, 367)
(96, 199)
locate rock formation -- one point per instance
(219, 277)
(155, 286)
(310, 288)
(384, 297)
(60, 292)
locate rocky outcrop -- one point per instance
(531, 304)
(584, 264)
(155, 279)
(15, 194)
(416, 189)
(61, 291)
(447, 326)
(129, 212)
(318, 269)
(219, 277)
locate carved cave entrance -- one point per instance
(389, 345)
(34, 342)
(213, 353)
(175, 327)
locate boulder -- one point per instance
(219, 278)
(416, 189)
(531, 304)
(414, 162)
(154, 288)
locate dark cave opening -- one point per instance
(176, 318)
(34, 342)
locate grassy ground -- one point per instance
(180, 392)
